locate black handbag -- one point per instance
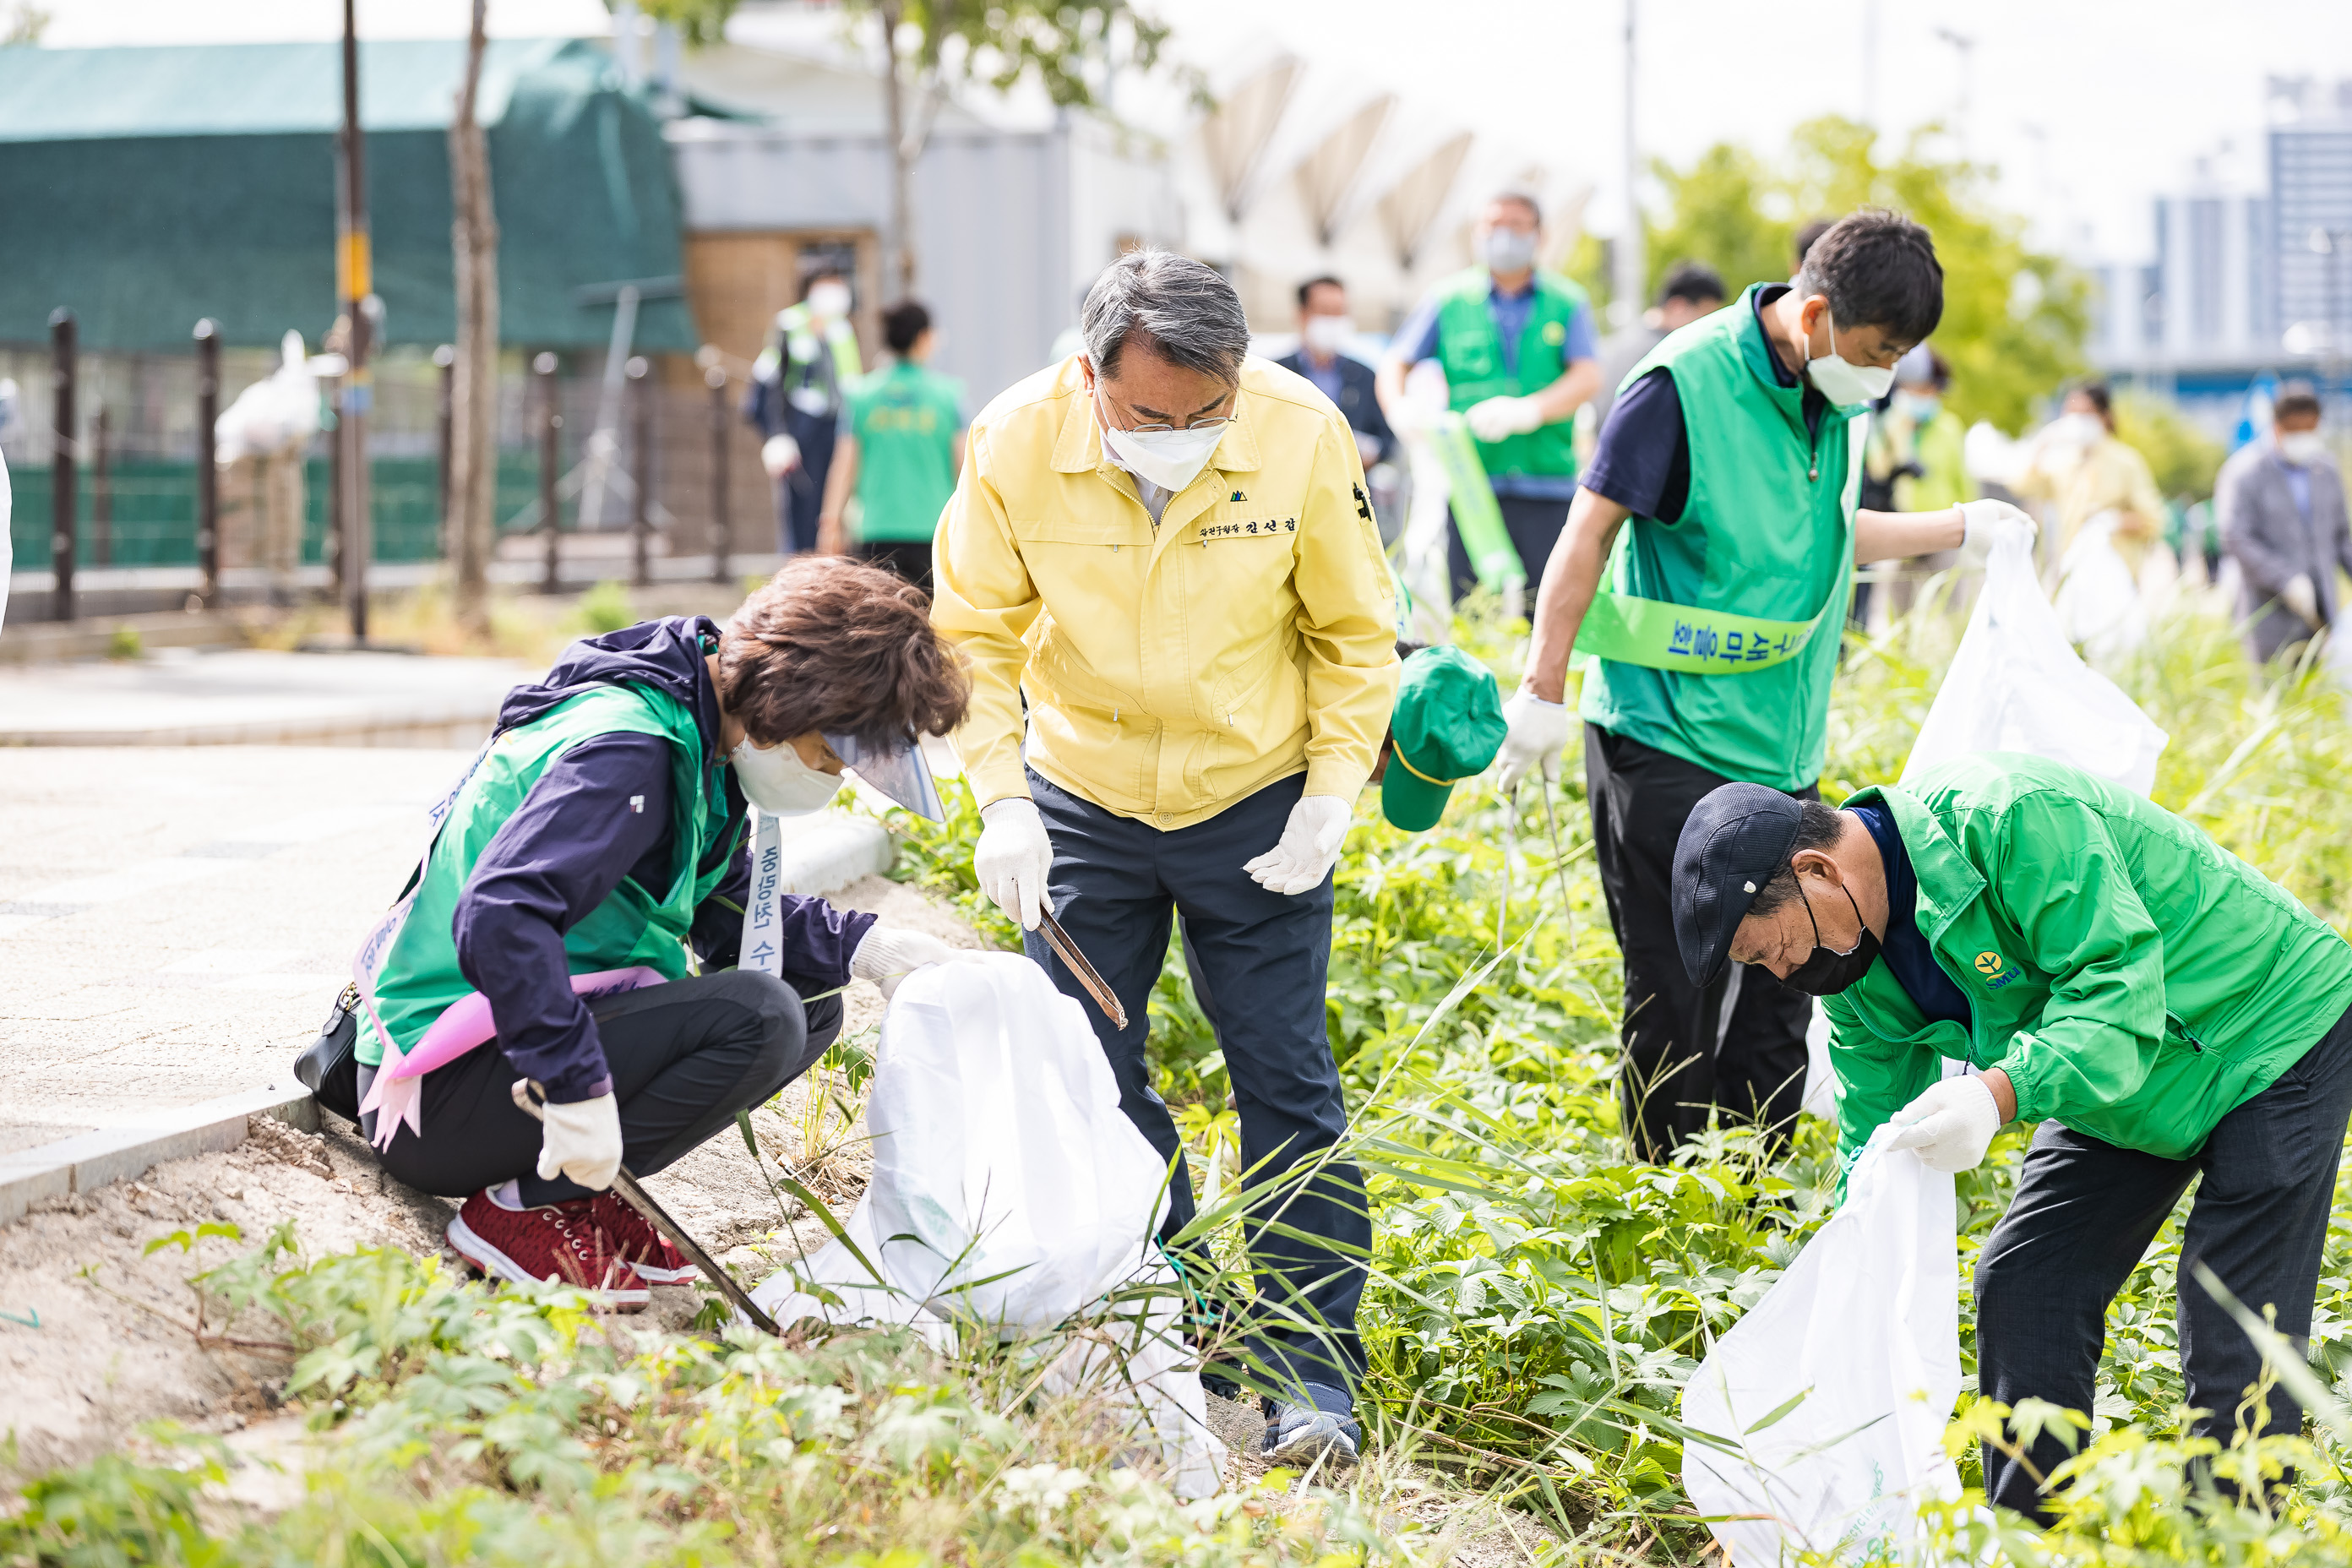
(329, 1066)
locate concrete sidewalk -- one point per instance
(176, 922)
(253, 697)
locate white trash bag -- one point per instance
(1833, 1392)
(2098, 600)
(2016, 685)
(1010, 1193)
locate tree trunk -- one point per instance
(900, 268)
(474, 401)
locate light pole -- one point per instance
(1630, 269)
(355, 283)
(1965, 48)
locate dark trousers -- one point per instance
(685, 1057)
(1116, 882)
(801, 496)
(1533, 525)
(910, 558)
(1736, 1045)
(2084, 1214)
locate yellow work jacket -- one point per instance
(1169, 671)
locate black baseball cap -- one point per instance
(1734, 841)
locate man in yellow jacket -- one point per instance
(1165, 546)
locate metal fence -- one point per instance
(134, 442)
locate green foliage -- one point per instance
(2014, 318)
(124, 642)
(603, 609)
(1070, 49)
(698, 22)
(2182, 457)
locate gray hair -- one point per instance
(1180, 309)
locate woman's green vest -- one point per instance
(1767, 531)
(1470, 351)
(420, 975)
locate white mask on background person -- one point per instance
(829, 300)
(1918, 406)
(1326, 335)
(775, 779)
(2082, 431)
(2303, 448)
(1169, 459)
(1510, 250)
(1845, 383)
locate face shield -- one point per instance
(896, 770)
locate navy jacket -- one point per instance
(1357, 402)
(576, 836)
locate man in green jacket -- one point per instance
(2073, 955)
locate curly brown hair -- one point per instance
(829, 645)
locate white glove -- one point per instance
(779, 454)
(1014, 857)
(1951, 1125)
(1537, 735)
(2300, 596)
(1986, 521)
(887, 954)
(1496, 417)
(581, 1141)
(1309, 847)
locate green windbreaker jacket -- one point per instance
(2135, 979)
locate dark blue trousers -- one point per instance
(2084, 1214)
(1117, 883)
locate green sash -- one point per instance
(1476, 516)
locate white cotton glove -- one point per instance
(1951, 1125)
(887, 954)
(1986, 521)
(779, 454)
(1308, 849)
(2300, 596)
(1496, 417)
(1014, 857)
(581, 1141)
(1537, 735)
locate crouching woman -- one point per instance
(603, 833)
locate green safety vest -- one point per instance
(906, 420)
(1763, 552)
(1470, 351)
(634, 925)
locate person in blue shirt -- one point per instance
(1325, 329)
(1520, 354)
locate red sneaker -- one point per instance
(633, 1237)
(557, 1241)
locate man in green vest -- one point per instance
(2095, 965)
(1712, 626)
(587, 884)
(898, 452)
(1517, 348)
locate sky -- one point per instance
(2088, 107)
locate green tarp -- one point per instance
(145, 188)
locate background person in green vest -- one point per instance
(899, 449)
(794, 399)
(604, 829)
(2164, 1010)
(1517, 347)
(1733, 451)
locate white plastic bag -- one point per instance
(1010, 1195)
(2098, 601)
(1833, 1392)
(2016, 685)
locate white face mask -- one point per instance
(1326, 335)
(775, 779)
(1845, 383)
(2082, 431)
(1509, 249)
(1169, 459)
(830, 300)
(2302, 448)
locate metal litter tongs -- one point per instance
(531, 1096)
(1059, 941)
